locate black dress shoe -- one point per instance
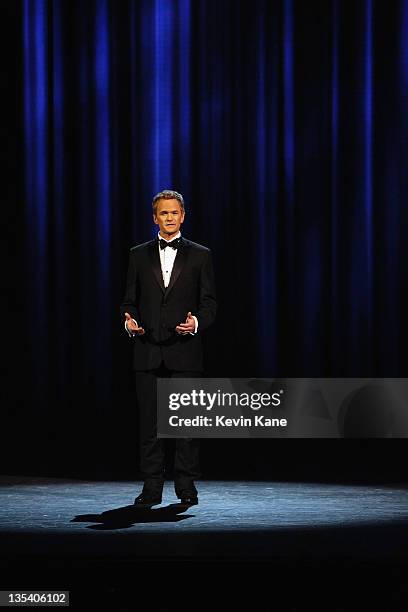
(145, 500)
(189, 499)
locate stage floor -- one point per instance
(68, 526)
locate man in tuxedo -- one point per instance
(169, 302)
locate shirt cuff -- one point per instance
(131, 334)
(196, 326)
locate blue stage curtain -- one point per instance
(284, 125)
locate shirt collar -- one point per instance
(171, 240)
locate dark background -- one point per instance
(285, 127)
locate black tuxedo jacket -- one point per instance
(159, 310)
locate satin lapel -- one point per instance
(155, 259)
(179, 263)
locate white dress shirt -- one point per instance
(167, 257)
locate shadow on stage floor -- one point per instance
(338, 547)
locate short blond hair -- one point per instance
(167, 194)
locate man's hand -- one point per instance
(188, 327)
(132, 326)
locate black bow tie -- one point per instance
(174, 244)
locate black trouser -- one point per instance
(152, 456)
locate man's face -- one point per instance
(168, 217)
